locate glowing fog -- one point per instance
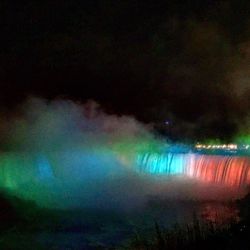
(63, 154)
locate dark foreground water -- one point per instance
(102, 229)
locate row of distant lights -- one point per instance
(220, 146)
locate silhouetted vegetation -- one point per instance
(199, 234)
(21, 220)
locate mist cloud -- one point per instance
(61, 153)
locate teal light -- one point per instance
(167, 164)
(44, 168)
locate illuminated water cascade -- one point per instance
(224, 170)
(45, 171)
(17, 169)
(169, 163)
(72, 167)
(228, 170)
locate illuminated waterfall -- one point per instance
(17, 169)
(162, 163)
(20, 169)
(228, 170)
(225, 170)
(71, 167)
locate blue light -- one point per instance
(44, 168)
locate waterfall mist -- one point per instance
(65, 154)
(61, 153)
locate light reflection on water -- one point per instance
(114, 231)
(219, 213)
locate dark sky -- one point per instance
(183, 61)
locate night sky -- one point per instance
(185, 62)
